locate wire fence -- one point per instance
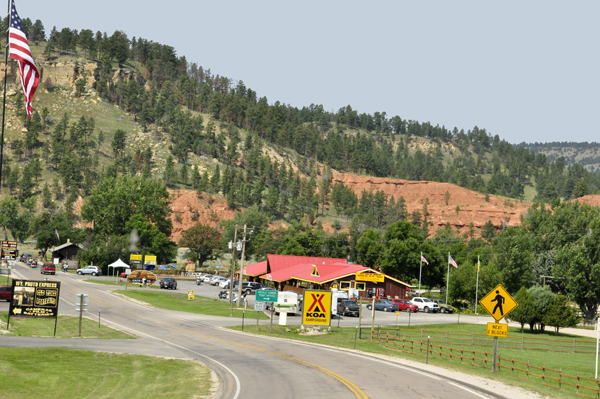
(392, 339)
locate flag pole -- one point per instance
(420, 267)
(477, 284)
(4, 95)
(448, 279)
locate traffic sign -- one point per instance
(81, 302)
(266, 295)
(497, 330)
(317, 307)
(498, 303)
(259, 306)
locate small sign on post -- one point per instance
(190, 295)
(259, 306)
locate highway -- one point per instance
(247, 366)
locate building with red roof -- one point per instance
(295, 273)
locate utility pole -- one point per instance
(232, 278)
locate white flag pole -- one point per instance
(420, 267)
(477, 285)
(448, 278)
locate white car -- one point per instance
(224, 283)
(216, 280)
(425, 305)
(207, 278)
(93, 270)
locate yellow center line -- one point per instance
(356, 390)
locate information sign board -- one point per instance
(191, 295)
(497, 330)
(34, 298)
(135, 260)
(498, 303)
(266, 295)
(317, 307)
(259, 306)
(81, 302)
(370, 276)
(10, 250)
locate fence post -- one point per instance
(527, 369)
(522, 342)
(543, 374)
(559, 378)
(421, 335)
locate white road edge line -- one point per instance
(468, 390)
(237, 380)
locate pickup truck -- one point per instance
(48, 268)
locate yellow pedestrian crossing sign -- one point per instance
(498, 302)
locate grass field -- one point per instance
(66, 327)
(66, 373)
(180, 302)
(571, 363)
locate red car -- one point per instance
(5, 292)
(405, 304)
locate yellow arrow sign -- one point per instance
(17, 311)
(498, 302)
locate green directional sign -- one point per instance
(266, 295)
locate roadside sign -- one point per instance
(84, 304)
(259, 306)
(497, 330)
(317, 307)
(34, 298)
(266, 295)
(10, 250)
(190, 295)
(370, 276)
(498, 303)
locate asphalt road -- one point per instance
(248, 366)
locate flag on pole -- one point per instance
(19, 50)
(424, 260)
(452, 262)
(56, 232)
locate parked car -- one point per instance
(216, 280)
(207, 278)
(235, 284)
(385, 305)
(443, 306)
(405, 304)
(250, 287)
(25, 257)
(5, 291)
(425, 304)
(224, 284)
(347, 307)
(168, 282)
(93, 270)
(267, 288)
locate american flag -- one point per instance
(424, 260)
(452, 262)
(19, 50)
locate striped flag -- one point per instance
(19, 50)
(424, 260)
(452, 262)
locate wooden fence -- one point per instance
(481, 340)
(389, 338)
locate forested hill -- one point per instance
(585, 154)
(114, 105)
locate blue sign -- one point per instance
(218, 266)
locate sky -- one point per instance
(524, 70)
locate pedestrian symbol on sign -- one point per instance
(498, 303)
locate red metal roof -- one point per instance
(280, 262)
(256, 269)
(314, 272)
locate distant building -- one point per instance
(67, 251)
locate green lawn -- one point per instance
(570, 363)
(66, 327)
(66, 373)
(180, 302)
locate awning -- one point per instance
(163, 267)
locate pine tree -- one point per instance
(46, 196)
(215, 180)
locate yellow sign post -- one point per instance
(317, 308)
(190, 295)
(497, 330)
(498, 303)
